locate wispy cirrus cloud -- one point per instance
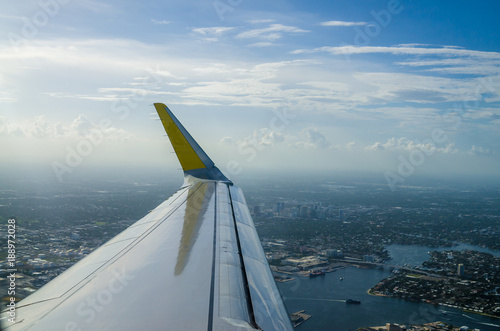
(272, 32)
(160, 22)
(262, 44)
(213, 31)
(212, 34)
(260, 21)
(401, 50)
(342, 23)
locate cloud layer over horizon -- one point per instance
(333, 87)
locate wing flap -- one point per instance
(268, 308)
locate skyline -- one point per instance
(392, 87)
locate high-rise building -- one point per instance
(460, 269)
(256, 210)
(279, 207)
(304, 211)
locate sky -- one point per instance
(395, 88)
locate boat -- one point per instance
(341, 278)
(316, 273)
(351, 301)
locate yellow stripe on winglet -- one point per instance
(187, 155)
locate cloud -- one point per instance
(259, 140)
(230, 141)
(347, 147)
(314, 139)
(212, 34)
(162, 22)
(264, 137)
(478, 150)
(399, 50)
(273, 32)
(81, 125)
(312, 86)
(407, 145)
(342, 23)
(7, 129)
(41, 128)
(481, 113)
(213, 31)
(260, 21)
(262, 44)
(250, 85)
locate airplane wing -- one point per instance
(193, 263)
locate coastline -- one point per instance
(370, 292)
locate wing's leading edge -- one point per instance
(193, 263)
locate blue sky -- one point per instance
(397, 88)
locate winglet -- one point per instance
(193, 159)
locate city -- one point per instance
(303, 233)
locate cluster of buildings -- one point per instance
(42, 254)
(295, 209)
(434, 326)
(467, 280)
(305, 263)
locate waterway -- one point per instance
(324, 298)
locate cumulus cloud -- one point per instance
(9, 129)
(264, 137)
(347, 147)
(259, 139)
(312, 139)
(228, 141)
(41, 128)
(408, 145)
(478, 150)
(81, 125)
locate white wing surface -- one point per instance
(193, 263)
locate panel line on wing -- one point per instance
(214, 248)
(115, 256)
(242, 264)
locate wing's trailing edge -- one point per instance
(193, 263)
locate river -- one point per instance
(324, 298)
